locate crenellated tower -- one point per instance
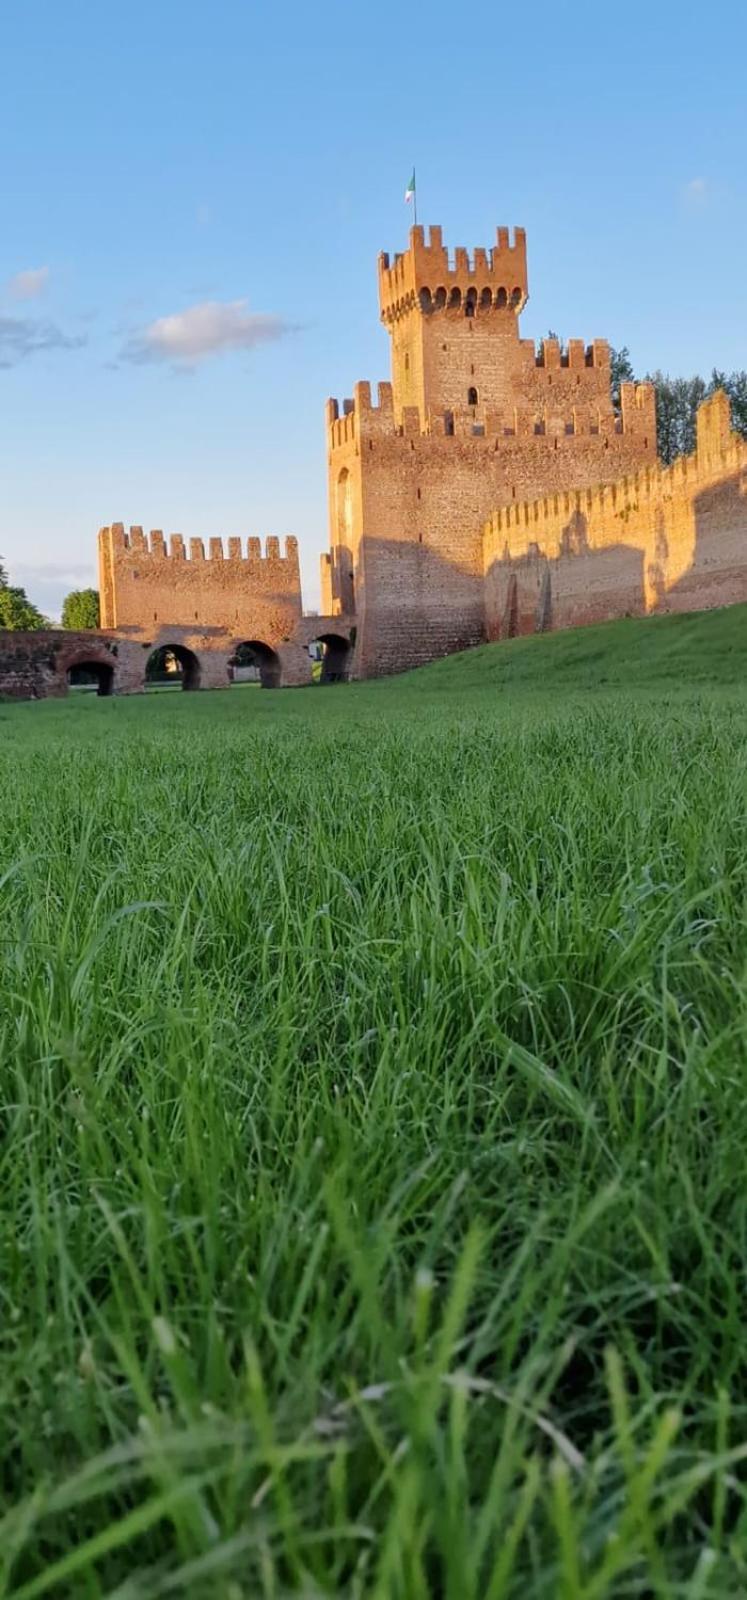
(453, 321)
(475, 418)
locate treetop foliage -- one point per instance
(80, 609)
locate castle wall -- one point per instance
(661, 539)
(34, 665)
(419, 500)
(248, 595)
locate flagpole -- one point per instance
(415, 197)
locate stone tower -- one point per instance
(475, 419)
(454, 323)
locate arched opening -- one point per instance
(172, 666)
(425, 300)
(91, 677)
(331, 655)
(440, 299)
(501, 298)
(253, 661)
(472, 396)
(455, 299)
(344, 508)
(470, 303)
(486, 299)
(516, 297)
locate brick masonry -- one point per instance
(475, 418)
(663, 539)
(490, 489)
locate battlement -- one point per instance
(574, 355)
(361, 417)
(136, 542)
(539, 527)
(145, 580)
(428, 278)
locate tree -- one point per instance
(621, 371)
(17, 611)
(80, 609)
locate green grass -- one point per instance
(374, 1082)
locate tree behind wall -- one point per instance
(16, 611)
(80, 609)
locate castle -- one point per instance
(491, 489)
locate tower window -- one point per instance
(472, 397)
(407, 363)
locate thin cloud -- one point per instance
(696, 193)
(21, 337)
(209, 329)
(29, 284)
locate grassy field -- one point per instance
(374, 1084)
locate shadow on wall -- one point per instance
(535, 593)
(413, 606)
(717, 571)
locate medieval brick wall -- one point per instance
(407, 509)
(249, 596)
(475, 418)
(34, 666)
(663, 539)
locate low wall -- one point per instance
(35, 665)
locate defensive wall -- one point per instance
(491, 488)
(246, 593)
(39, 665)
(474, 418)
(661, 539)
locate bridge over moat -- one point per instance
(48, 663)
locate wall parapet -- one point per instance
(532, 527)
(428, 275)
(553, 417)
(154, 545)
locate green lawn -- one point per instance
(374, 1082)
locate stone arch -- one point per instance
(440, 299)
(455, 299)
(426, 303)
(175, 664)
(486, 299)
(337, 657)
(501, 298)
(516, 297)
(470, 302)
(84, 671)
(256, 653)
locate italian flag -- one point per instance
(410, 190)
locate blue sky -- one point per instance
(194, 197)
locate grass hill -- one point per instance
(639, 652)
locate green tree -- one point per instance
(621, 371)
(17, 611)
(80, 609)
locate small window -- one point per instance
(449, 423)
(472, 396)
(407, 363)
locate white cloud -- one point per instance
(27, 285)
(208, 329)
